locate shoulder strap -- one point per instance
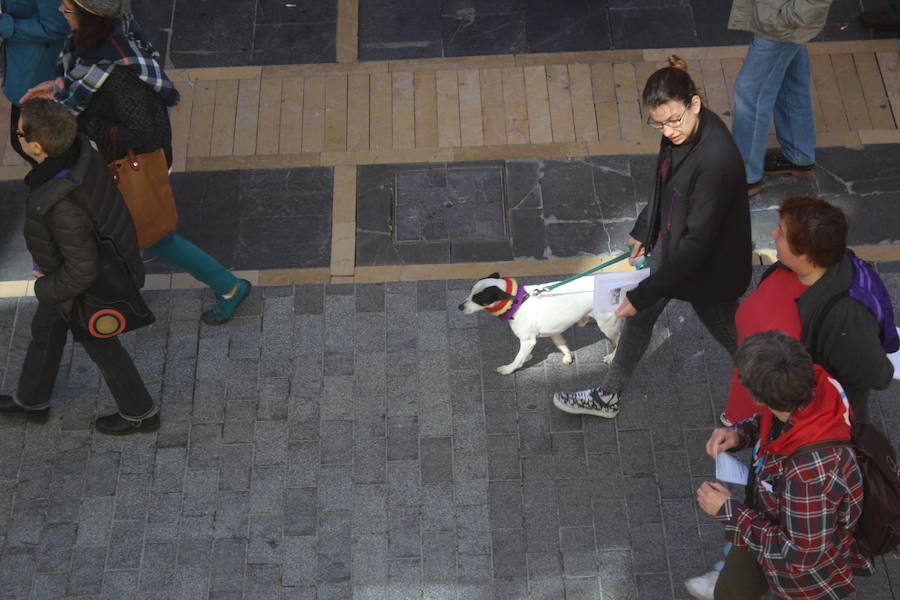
(823, 314)
(821, 445)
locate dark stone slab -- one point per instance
(155, 18)
(582, 25)
(467, 33)
(307, 11)
(294, 43)
(200, 27)
(398, 29)
(670, 26)
(711, 19)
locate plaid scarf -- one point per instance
(85, 70)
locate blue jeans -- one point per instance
(181, 253)
(774, 78)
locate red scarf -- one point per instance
(826, 417)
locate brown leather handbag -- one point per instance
(143, 180)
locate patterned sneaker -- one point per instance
(592, 401)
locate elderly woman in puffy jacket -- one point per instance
(33, 31)
(109, 75)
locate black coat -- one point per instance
(847, 342)
(699, 218)
(140, 113)
(61, 215)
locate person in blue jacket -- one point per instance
(33, 32)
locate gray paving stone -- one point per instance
(369, 509)
(162, 517)
(507, 511)
(300, 511)
(200, 489)
(335, 487)
(473, 529)
(270, 443)
(274, 395)
(508, 550)
(232, 515)
(648, 548)
(439, 508)
(236, 466)
(370, 559)
(229, 558)
(303, 463)
(369, 418)
(337, 402)
(264, 546)
(334, 547)
(436, 459)
(158, 567)
(101, 474)
(125, 545)
(503, 457)
(86, 577)
(300, 561)
(402, 438)
(56, 547)
(337, 442)
(267, 490)
(404, 533)
(94, 521)
(369, 461)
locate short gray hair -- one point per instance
(776, 369)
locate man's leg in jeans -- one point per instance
(742, 578)
(48, 341)
(755, 91)
(794, 124)
(633, 343)
(128, 390)
(718, 318)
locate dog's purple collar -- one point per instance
(521, 297)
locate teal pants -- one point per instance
(181, 253)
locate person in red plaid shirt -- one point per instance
(793, 535)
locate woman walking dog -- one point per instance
(695, 231)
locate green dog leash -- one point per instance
(612, 261)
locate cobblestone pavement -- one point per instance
(340, 441)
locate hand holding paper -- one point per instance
(731, 470)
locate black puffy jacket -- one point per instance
(61, 215)
(140, 113)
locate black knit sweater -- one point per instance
(134, 106)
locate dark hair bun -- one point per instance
(677, 62)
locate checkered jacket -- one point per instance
(800, 527)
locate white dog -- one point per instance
(545, 315)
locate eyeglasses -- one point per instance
(20, 134)
(671, 123)
(66, 11)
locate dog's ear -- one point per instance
(493, 276)
(489, 295)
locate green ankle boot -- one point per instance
(225, 307)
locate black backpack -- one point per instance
(878, 530)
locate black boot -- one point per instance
(8, 406)
(114, 424)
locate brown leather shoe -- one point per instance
(777, 163)
(878, 20)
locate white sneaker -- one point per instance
(703, 587)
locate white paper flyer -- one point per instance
(610, 288)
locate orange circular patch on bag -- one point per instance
(106, 323)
